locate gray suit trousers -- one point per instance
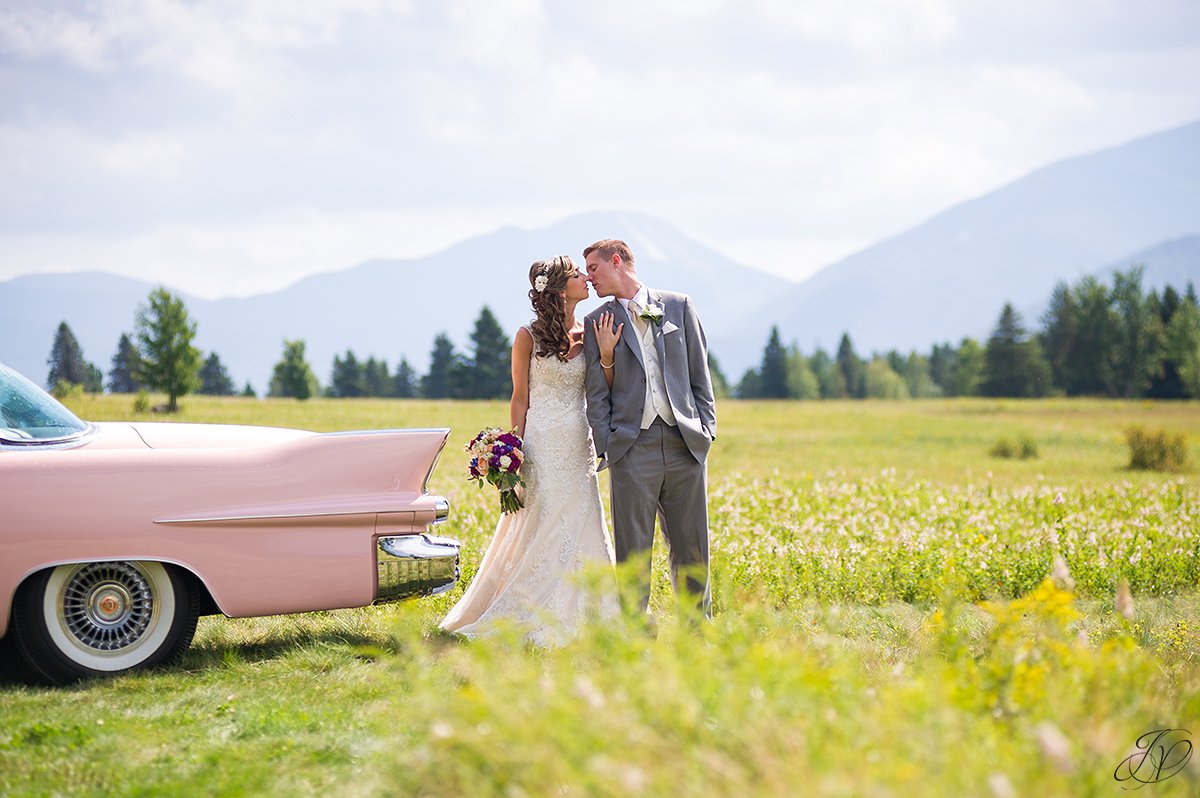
(660, 477)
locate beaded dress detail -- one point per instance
(529, 574)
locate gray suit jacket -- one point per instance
(616, 416)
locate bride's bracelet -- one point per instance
(604, 365)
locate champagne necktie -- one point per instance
(635, 312)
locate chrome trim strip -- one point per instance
(443, 430)
(61, 442)
(441, 511)
(211, 519)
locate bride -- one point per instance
(529, 574)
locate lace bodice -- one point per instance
(554, 382)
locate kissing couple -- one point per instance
(630, 384)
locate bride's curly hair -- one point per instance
(549, 280)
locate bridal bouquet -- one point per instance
(496, 457)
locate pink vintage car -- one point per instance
(115, 537)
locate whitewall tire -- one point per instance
(101, 618)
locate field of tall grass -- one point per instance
(885, 625)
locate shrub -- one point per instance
(1029, 449)
(64, 390)
(1156, 450)
(141, 402)
(1004, 448)
(1025, 448)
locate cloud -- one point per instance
(171, 132)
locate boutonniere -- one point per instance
(652, 313)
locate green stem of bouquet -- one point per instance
(509, 501)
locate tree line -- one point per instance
(159, 356)
(1094, 340)
(483, 372)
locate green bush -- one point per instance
(1025, 448)
(64, 390)
(1029, 449)
(1156, 450)
(141, 402)
(1004, 448)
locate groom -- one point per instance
(654, 426)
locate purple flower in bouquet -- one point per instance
(496, 458)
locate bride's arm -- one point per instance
(522, 350)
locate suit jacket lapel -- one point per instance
(656, 329)
(629, 333)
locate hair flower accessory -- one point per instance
(541, 282)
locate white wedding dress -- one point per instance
(529, 575)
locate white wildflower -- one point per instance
(1061, 574)
(1055, 746)
(1124, 601)
(589, 692)
(1001, 786)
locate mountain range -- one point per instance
(949, 277)
(940, 281)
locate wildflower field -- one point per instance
(898, 612)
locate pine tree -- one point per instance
(1089, 369)
(1167, 384)
(1138, 338)
(346, 379)
(214, 377)
(852, 369)
(126, 362)
(292, 375)
(375, 376)
(1013, 362)
(249, 391)
(829, 376)
(719, 383)
(942, 361)
(66, 359)
(772, 374)
(750, 385)
(94, 382)
(405, 383)
(1060, 332)
(490, 368)
(443, 362)
(1183, 347)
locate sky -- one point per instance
(231, 147)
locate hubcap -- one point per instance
(107, 606)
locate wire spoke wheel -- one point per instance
(97, 618)
(107, 606)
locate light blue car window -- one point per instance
(28, 414)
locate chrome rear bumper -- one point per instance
(415, 565)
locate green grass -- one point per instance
(883, 628)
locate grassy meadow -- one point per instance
(884, 626)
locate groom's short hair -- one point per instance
(608, 247)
